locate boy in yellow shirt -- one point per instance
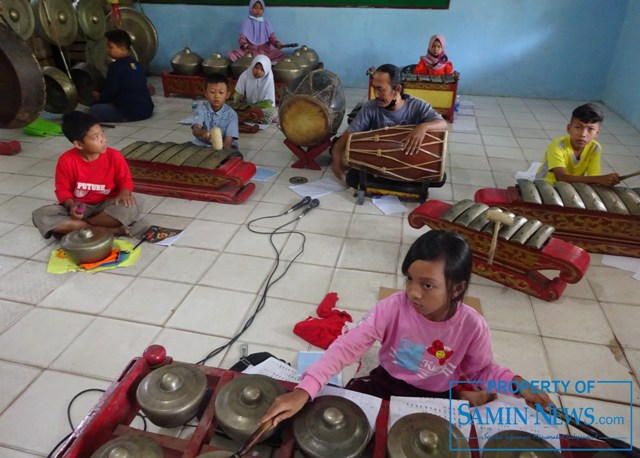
(575, 158)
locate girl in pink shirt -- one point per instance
(428, 336)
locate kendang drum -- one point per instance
(381, 153)
(312, 110)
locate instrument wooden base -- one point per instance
(194, 86)
(367, 184)
(113, 414)
(306, 158)
(595, 231)
(514, 265)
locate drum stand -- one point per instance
(371, 184)
(307, 157)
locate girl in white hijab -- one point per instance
(255, 89)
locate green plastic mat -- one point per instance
(42, 128)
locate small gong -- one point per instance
(331, 427)
(171, 395)
(129, 446)
(422, 435)
(243, 401)
(515, 444)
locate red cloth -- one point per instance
(322, 331)
(10, 148)
(92, 182)
(422, 69)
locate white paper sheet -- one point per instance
(534, 425)
(401, 406)
(318, 188)
(530, 173)
(622, 262)
(275, 369)
(389, 205)
(369, 404)
(263, 174)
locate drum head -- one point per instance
(304, 121)
(21, 82)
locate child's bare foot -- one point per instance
(118, 231)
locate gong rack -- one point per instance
(114, 412)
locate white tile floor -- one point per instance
(60, 334)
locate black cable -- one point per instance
(270, 280)
(70, 405)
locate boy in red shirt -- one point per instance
(93, 184)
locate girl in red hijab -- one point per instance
(436, 61)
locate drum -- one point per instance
(312, 109)
(380, 153)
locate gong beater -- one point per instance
(129, 446)
(171, 395)
(21, 82)
(243, 401)
(422, 435)
(518, 444)
(331, 426)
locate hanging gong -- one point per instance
(87, 79)
(19, 16)
(144, 37)
(422, 435)
(55, 21)
(91, 18)
(22, 88)
(518, 444)
(171, 395)
(243, 401)
(217, 454)
(61, 94)
(129, 446)
(332, 426)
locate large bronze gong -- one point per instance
(144, 37)
(62, 96)
(330, 427)
(423, 435)
(18, 15)
(21, 82)
(55, 21)
(243, 401)
(515, 444)
(91, 18)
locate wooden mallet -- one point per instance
(216, 138)
(499, 218)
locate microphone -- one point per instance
(313, 204)
(304, 202)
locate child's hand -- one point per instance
(125, 198)
(539, 397)
(285, 406)
(77, 210)
(611, 179)
(477, 398)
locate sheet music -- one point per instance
(401, 406)
(534, 425)
(275, 369)
(369, 404)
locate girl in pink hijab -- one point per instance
(436, 61)
(257, 35)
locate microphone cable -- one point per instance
(309, 204)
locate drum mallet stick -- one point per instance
(634, 174)
(499, 218)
